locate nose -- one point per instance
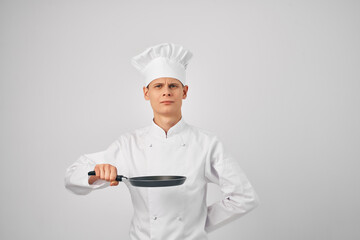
(167, 91)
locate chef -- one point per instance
(168, 146)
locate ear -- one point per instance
(146, 93)
(185, 90)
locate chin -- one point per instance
(168, 111)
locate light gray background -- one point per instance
(278, 81)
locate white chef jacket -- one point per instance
(177, 212)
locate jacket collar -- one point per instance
(157, 131)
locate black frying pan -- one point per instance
(150, 181)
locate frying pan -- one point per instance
(150, 181)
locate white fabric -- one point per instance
(178, 212)
(163, 60)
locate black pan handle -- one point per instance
(118, 177)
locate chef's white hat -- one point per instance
(163, 60)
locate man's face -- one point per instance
(165, 89)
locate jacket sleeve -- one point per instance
(76, 175)
(238, 196)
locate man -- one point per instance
(169, 146)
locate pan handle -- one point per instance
(118, 177)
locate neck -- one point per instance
(166, 122)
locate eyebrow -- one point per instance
(168, 84)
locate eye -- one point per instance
(172, 85)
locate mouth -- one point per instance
(167, 102)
